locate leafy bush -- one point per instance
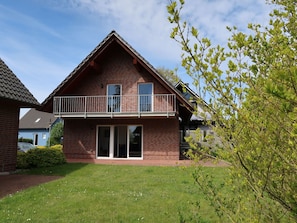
(56, 134)
(41, 157)
(22, 160)
(41, 147)
(57, 147)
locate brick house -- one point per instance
(115, 105)
(13, 96)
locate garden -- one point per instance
(112, 193)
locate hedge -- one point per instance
(41, 157)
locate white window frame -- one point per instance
(107, 99)
(152, 96)
(111, 142)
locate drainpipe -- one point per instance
(49, 132)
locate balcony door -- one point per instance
(114, 97)
(119, 141)
(145, 92)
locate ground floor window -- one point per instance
(119, 141)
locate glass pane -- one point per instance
(103, 141)
(120, 141)
(114, 98)
(135, 144)
(145, 92)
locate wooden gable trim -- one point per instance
(95, 66)
(136, 64)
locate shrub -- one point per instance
(41, 147)
(22, 160)
(57, 147)
(44, 157)
(56, 134)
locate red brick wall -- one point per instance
(115, 68)
(79, 139)
(160, 137)
(9, 124)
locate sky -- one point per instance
(42, 41)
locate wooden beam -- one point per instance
(94, 65)
(136, 64)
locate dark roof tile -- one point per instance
(12, 88)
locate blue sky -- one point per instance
(42, 41)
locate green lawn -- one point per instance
(111, 193)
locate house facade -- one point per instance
(36, 125)
(115, 105)
(13, 96)
(198, 118)
(200, 127)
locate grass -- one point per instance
(110, 193)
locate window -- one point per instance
(114, 98)
(145, 92)
(35, 139)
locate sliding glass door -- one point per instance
(135, 136)
(119, 141)
(103, 141)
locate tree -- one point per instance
(56, 134)
(253, 89)
(169, 75)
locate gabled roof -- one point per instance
(137, 60)
(191, 95)
(34, 119)
(11, 88)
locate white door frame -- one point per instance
(111, 142)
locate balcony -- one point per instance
(115, 106)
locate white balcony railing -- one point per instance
(113, 106)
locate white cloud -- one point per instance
(42, 53)
(145, 26)
(212, 16)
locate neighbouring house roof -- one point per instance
(191, 95)
(138, 60)
(11, 88)
(35, 119)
